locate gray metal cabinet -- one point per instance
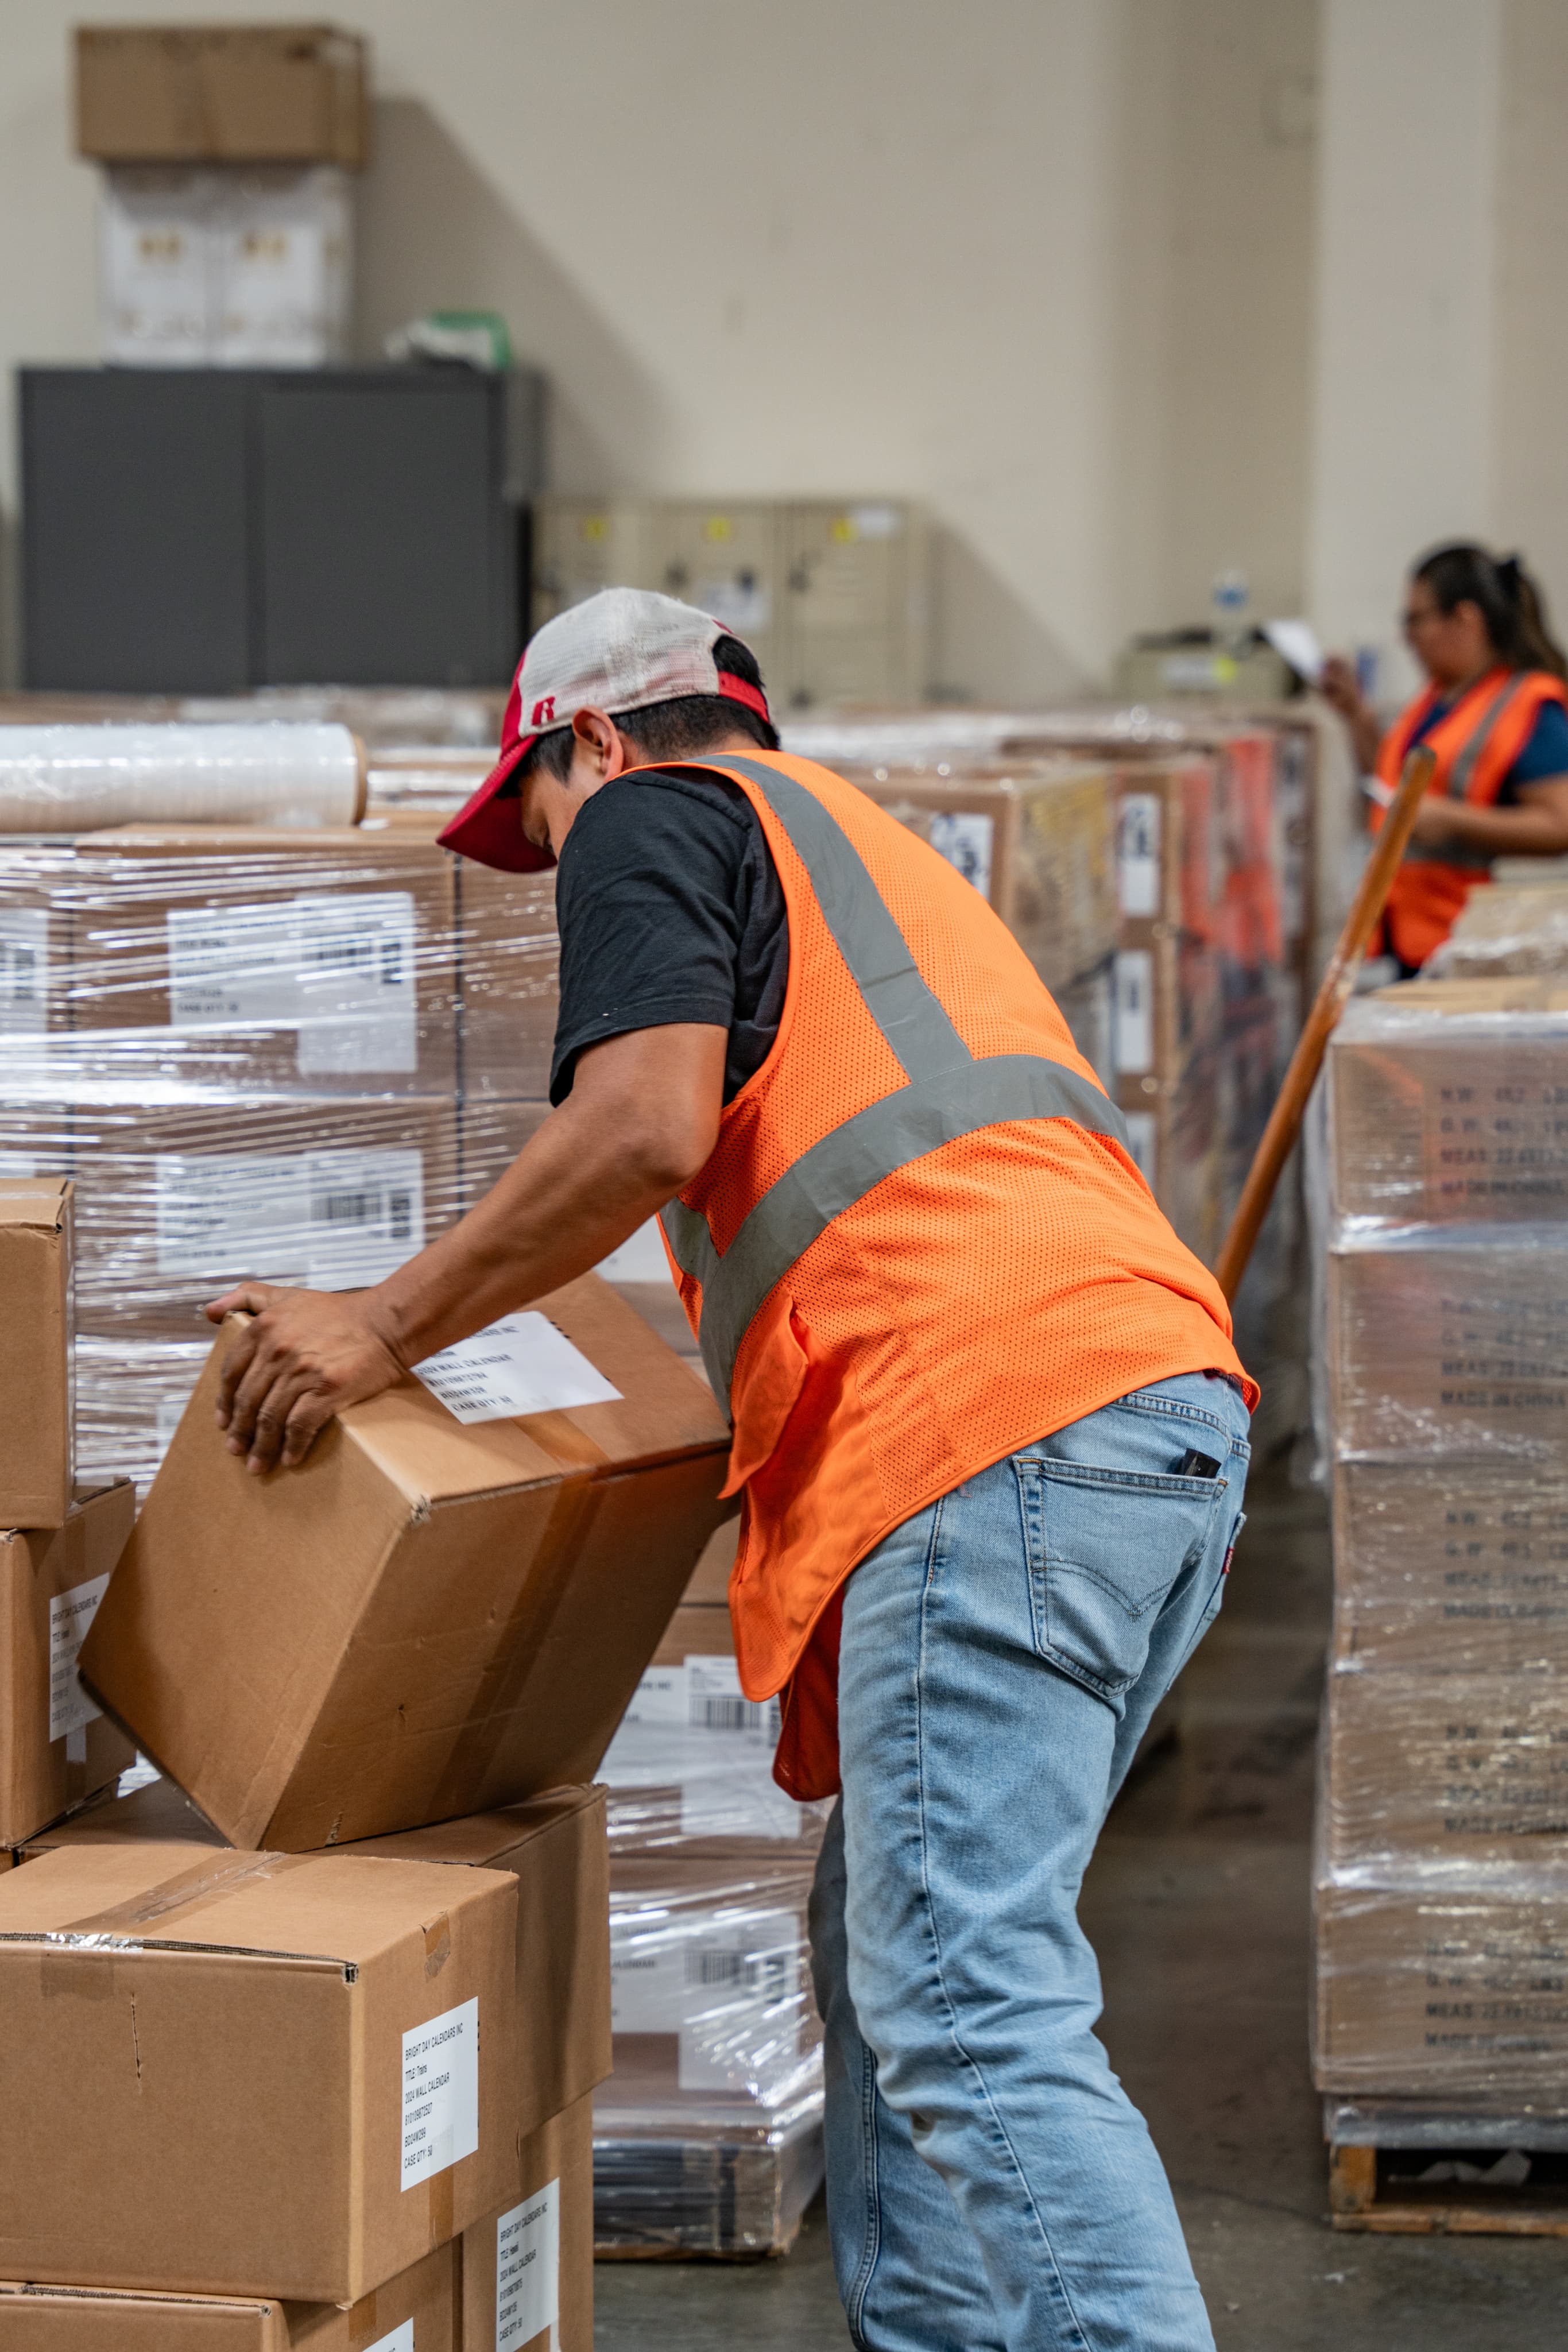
(205, 531)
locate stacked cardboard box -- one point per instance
(1037, 841)
(227, 214)
(245, 1044)
(58, 1542)
(709, 2135)
(349, 2007)
(1442, 1889)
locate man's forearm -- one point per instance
(573, 1195)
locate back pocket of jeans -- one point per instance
(1104, 1548)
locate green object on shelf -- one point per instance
(478, 339)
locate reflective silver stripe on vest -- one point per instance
(951, 1094)
(1458, 853)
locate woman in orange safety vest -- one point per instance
(1495, 711)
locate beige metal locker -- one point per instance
(859, 622)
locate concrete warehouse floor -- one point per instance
(1197, 1904)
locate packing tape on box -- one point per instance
(78, 779)
(186, 1891)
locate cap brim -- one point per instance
(488, 828)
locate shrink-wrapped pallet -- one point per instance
(1442, 1860)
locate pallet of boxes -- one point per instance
(1441, 2037)
(310, 2057)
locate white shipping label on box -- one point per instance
(440, 2093)
(1133, 1039)
(70, 1615)
(399, 2340)
(1138, 853)
(24, 971)
(521, 1364)
(338, 969)
(966, 839)
(528, 2270)
(336, 1220)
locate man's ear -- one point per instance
(598, 744)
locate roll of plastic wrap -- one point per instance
(76, 778)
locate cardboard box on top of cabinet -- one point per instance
(222, 94)
(445, 1609)
(37, 1232)
(251, 2073)
(57, 1747)
(421, 2306)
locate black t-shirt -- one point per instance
(670, 908)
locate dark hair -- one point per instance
(680, 729)
(1508, 599)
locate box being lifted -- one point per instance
(440, 1611)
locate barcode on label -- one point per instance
(763, 1976)
(731, 1713)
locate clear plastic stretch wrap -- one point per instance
(296, 1056)
(1442, 1866)
(712, 2007)
(1517, 928)
(65, 778)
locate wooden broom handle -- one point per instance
(1285, 1120)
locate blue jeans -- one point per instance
(989, 2182)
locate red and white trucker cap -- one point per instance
(619, 650)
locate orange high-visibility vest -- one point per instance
(1476, 743)
(919, 1243)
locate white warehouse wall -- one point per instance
(1040, 263)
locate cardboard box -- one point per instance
(1452, 1769)
(1449, 1993)
(1039, 844)
(222, 93)
(251, 2073)
(553, 1845)
(38, 1264)
(425, 2300)
(527, 2270)
(509, 959)
(1459, 1566)
(1444, 1112)
(314, 963)
(1168, 868)
(1444, 1342)
(57, 1749)
(186, 1190)
(426, 1619)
